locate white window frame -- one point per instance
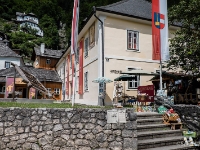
(137, 81)
(48, 90)
(86, 81)
(132, 41)
(86, 47)
(7, 64)
(48, 61)
(134, 81)
(57, 91)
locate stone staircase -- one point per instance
(154, 135)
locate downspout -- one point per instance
(102, 36)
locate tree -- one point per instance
(185, 45)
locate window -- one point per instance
(2, 89)
(86, 81)
(49, 90)
(57, 91)
(77, 56)
(86, 47)
(7, 64)
(132, 40)
(134, 83)
(48, 61)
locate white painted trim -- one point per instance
(131, 59)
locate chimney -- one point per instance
(42, 48)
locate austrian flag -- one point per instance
(160, 30)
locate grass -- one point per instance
(52, 105)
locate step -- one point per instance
(152, 127)
(159, 134)
(158, 142)
(149, 121)
(175, 147)
(148, 115)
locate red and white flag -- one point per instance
(74, 31)
(160, 30)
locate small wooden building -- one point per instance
(45, 58)
(40, 79)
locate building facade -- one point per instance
(29, 20)
(126, 45)
(7, 56)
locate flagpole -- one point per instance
(74, 42)
(74, 82)
(160, 75)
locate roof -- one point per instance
(134, 8)
(5, 51)
(40, 74)
(20, 14)
(49, 52)
(170, 75)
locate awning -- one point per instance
(125, 77)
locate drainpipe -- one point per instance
(102, 36)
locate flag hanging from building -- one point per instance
(74, 31)
(160, 30)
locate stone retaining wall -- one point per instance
(64, 129)
(190, 115)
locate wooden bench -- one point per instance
(173, 125)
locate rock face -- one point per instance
(190, 115)
(85, 129)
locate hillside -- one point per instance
(54, 19)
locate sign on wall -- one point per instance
(32, 93)
(116, 116)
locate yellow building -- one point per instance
(126, 46)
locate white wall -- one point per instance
(9, 59)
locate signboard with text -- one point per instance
(146, 93)
(9, 86)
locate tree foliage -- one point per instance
(185, 45)
(51, 14)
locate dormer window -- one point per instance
(7, 64)
(48, 61)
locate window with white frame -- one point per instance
(7, 64)
(136, 81)
(2, 89)
(48, 61)
(86, 47)
(49, 90)
(132, 40)
(86, 81)
(133, 84)
(57, 91)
